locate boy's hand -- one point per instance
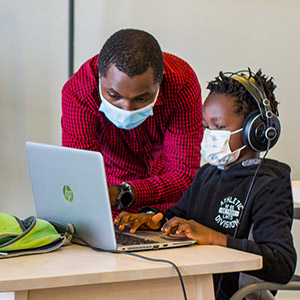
(135, 221)
(193, 230)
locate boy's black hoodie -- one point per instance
(216, 199)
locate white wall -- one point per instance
(212, 35)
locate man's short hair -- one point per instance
(132, 51)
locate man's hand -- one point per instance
(193, 230)
(113, 192)
(135, 221)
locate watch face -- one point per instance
(126, 199)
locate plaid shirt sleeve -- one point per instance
(159, 157)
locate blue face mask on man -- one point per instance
(122, 118)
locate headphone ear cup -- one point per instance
(250, 129)
(255, 132)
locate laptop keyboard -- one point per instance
(124, 239)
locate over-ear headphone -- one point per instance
(261, 128)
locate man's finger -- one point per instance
(119, 217)
(157, 218)
(142, 219)
(124, 221)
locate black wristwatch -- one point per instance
(125, 198)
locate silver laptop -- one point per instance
(69, 186)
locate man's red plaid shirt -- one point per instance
(159, 157)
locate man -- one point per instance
(141, 109)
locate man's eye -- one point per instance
(141, 99)
(220, 127)
(113, 96)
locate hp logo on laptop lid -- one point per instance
(68, 193)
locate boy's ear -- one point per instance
(256, 133)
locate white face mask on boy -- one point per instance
(215, 147)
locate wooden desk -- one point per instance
(76, 272)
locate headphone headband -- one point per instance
(252, 89)
(260, 130)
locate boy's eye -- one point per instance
(216, 127)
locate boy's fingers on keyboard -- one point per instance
(171, 226)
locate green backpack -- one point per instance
(30, 236)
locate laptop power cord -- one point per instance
(69, 232)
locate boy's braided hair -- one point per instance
(245, 103)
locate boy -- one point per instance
(238, 200)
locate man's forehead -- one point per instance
(122, 83)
